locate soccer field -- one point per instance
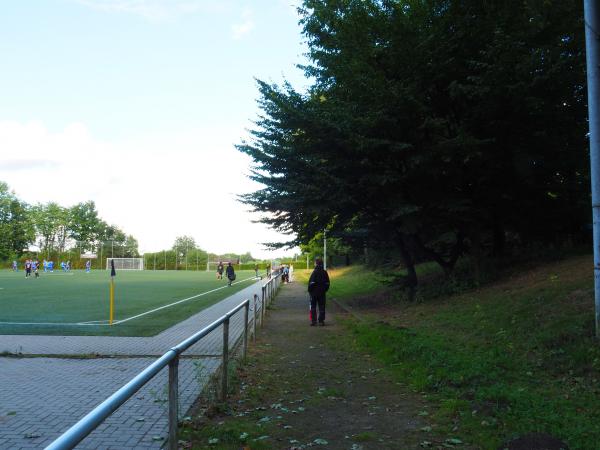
(77, 303)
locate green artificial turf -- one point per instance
(54, 302)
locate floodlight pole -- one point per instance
(592, 38)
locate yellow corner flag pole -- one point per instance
(112, 291)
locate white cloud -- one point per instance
(156, 187)
(247, 25)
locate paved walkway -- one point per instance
(42, 397)
(307, 386)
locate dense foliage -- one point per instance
(434, 127)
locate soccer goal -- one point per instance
(126, 263)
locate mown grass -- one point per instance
(513, 357)
(47, 304)
(353, 281)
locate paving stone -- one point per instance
(51, 394)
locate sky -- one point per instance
(137, 105)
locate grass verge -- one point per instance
(513, 357)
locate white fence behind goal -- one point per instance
(126, 263)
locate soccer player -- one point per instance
(88, 266)
(15, 267)
(220, 271)
(27, 268)
(35, 266)
(51, 266)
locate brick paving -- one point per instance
(42, 397)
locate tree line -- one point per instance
(56, 229)
(433, 128)
(185, 254)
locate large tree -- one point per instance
(52, 225)
(16, 228)
(85, 225)
(183, 245)
(431, 124)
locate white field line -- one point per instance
(117, 322)
(50, 323)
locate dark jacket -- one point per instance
(230, 272)
(318, 283)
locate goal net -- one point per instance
(126, 263)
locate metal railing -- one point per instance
(70, 438)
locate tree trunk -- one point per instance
(411, 279)
(449, 264)
(476, 254)
(499, 239)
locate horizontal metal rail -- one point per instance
(70, 438)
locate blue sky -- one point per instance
(137, 104)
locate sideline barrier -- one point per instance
(74, 435)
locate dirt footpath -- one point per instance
(303, 387)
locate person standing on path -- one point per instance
(318, 285)
(230, 272)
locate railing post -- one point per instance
(173, 402)
(254, 322)
(225, 358)
(262, 306)
(246, 311)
